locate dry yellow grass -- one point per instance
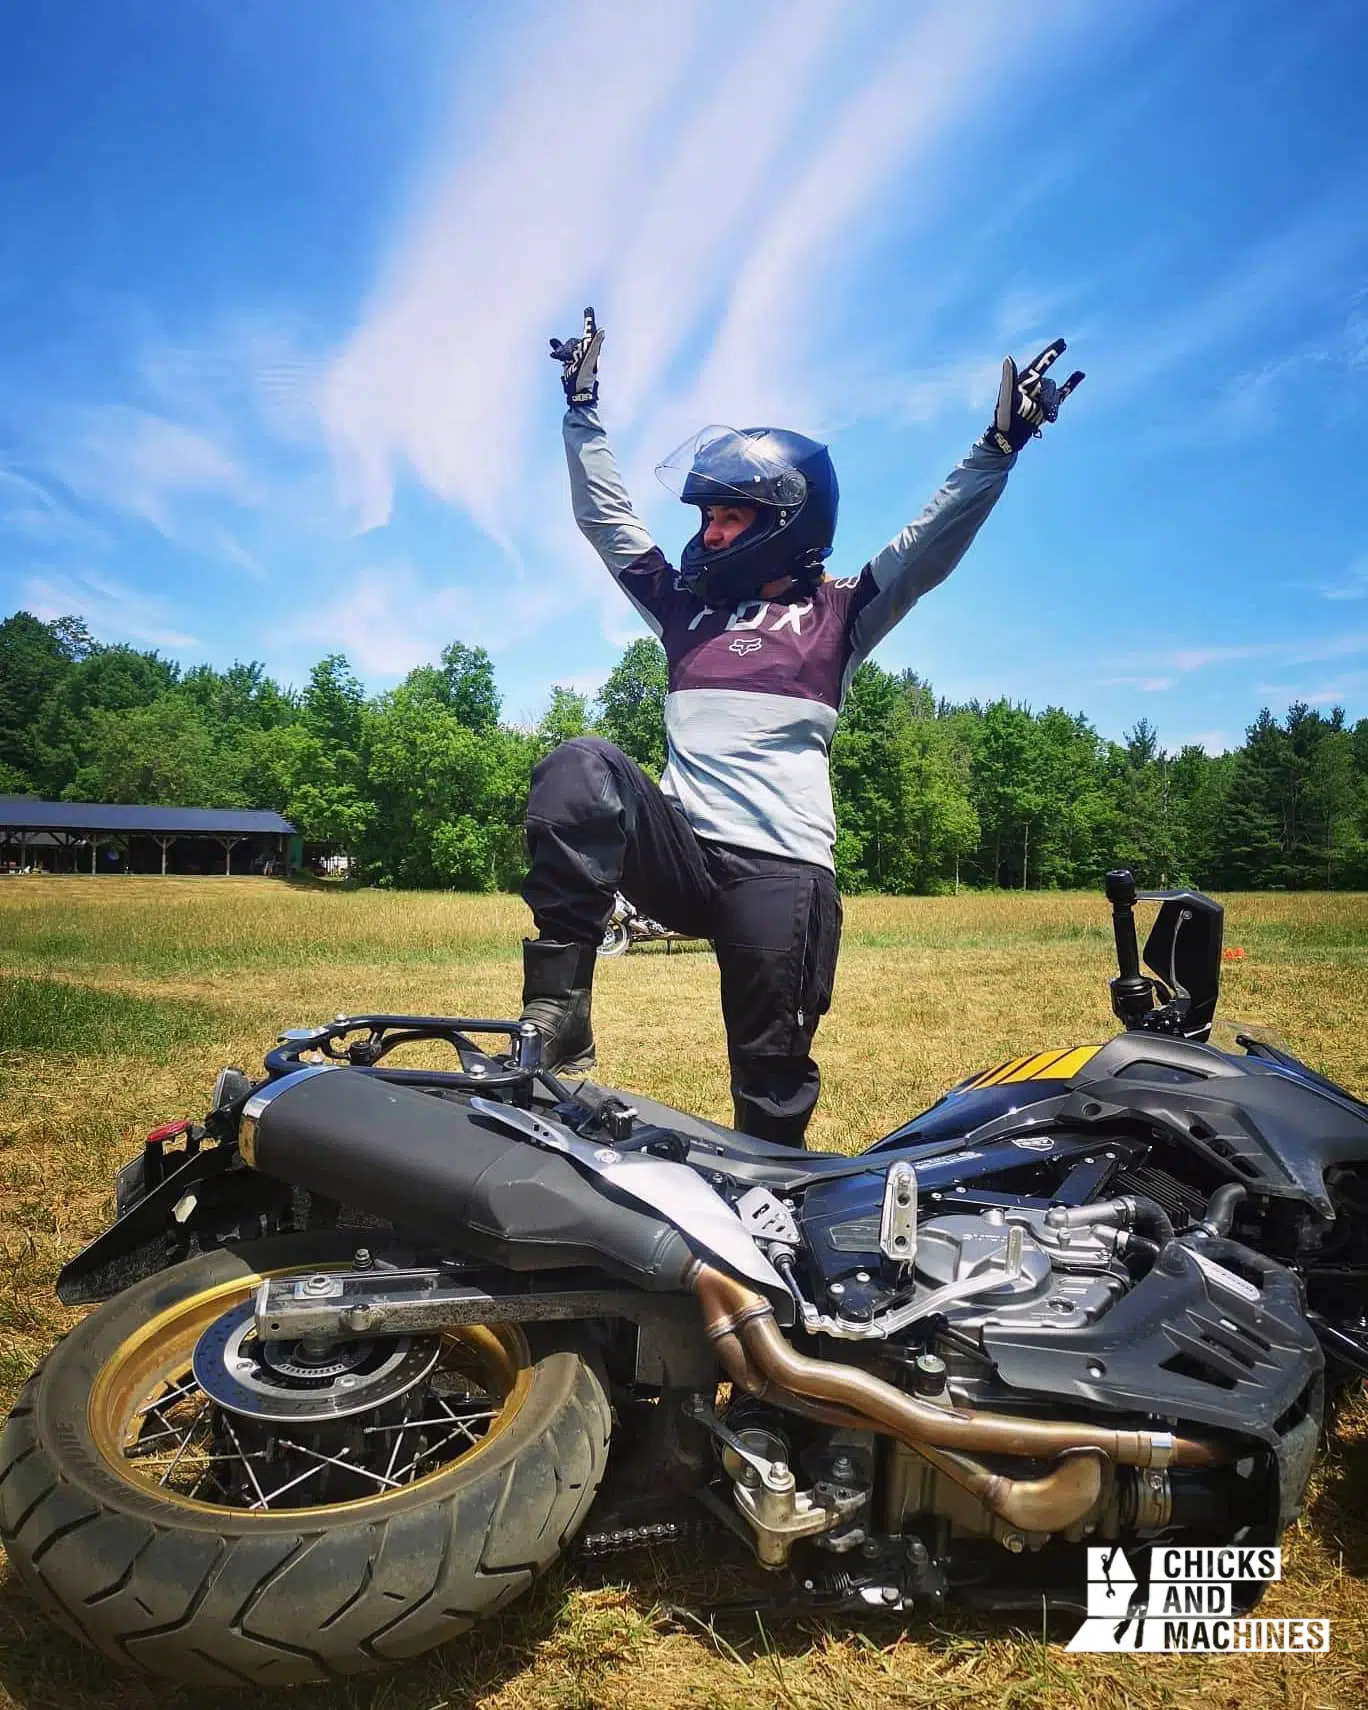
(928, 989)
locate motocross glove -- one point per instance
(1027, 399)
(579, 362)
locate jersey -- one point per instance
(755, 693)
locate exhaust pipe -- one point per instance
(755, 1354)
(1063, 1497)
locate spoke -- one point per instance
(152, 1437)
(415, 1424)
(190, 1430)
(310, 1472)
(187, 1388)
(209, 1460)
(394, 1452)
(460, 1423)
(228, 1427)
(411, 1470)
(336, 1461)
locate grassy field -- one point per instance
(120, 998)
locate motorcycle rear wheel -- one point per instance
(122, 1550)
(616, 938)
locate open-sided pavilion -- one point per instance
(92, 837)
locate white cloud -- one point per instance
(29, 508)
(1147, 685)
(389, 623)
(1214, 741)
(1352, 585)
(1345, 686)
(114, 611)
(705, 200)
(140, 464)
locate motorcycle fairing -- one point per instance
(1180, 1342)
(669, 1189)
(1266, 1122)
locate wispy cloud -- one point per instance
(1161, 670)
(141, 464)
(1146, 685)
(1289, 265)
(29, 508)
(112, 609)
(1214, 741)
(706, 230)
(1352, 585)
(389, 622)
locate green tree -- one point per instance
(566, 716)
(632, 704)
(297, 773)
(470, 690)
(866, 785)
(35, 657)
(161, 753)
(448, 798)
(333, 704)
(108, 679)
(1005, 792)
(241, 698)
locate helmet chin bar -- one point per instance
(728, 576)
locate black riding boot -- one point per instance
(558, 984)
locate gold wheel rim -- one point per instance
(144, 1381)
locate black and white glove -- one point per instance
(1027, 399)
(578, 358)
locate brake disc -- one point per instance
(287, 1382)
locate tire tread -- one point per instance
(311, 1601)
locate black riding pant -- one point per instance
(596, 825)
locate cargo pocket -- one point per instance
(761, 919)
(820, 950)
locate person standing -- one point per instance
(735, 843)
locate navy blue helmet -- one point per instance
(788, 479)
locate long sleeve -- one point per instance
(607, 521)
(924, 553)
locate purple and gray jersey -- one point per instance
(754, 693)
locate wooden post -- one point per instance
(228, 843)
(165, 843)
(1026, 855)
(94, 850)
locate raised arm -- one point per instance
(598, 495)
(926, 551)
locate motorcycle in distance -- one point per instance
(627, 925)
(369, 1333)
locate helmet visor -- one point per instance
(722, 465)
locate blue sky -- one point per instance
(277, 279)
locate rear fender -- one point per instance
(205, 1201)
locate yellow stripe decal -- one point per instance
(994, 1076)
(1042, 1066)
(1065, 1067)
(1035, 1066)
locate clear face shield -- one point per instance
(723, 466)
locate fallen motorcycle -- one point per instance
(379, 1344)
(627, 925)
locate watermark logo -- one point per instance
(1187, 1603)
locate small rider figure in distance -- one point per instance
(735, 844)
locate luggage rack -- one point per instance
(364, 1041)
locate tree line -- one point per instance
(425, 784)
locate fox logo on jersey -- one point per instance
(747, 644)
